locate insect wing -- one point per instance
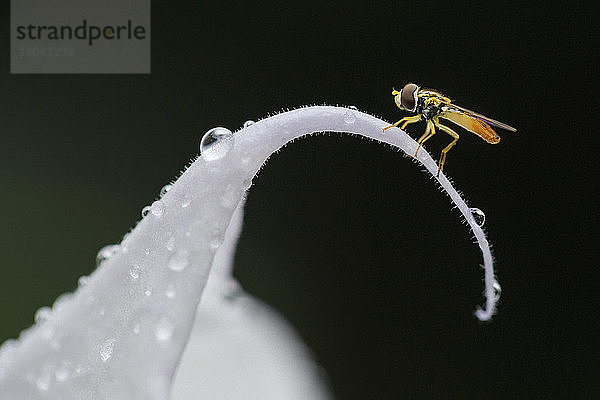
(470, 123)
(490, 121)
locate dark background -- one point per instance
(352, 242)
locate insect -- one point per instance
(431, 105)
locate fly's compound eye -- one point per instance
(408, 97)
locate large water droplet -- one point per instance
(164, 330)
(165, 189)
(106, 349)
(216, 143)
(106, 253)
(248, 123)
(478, 216)
(157, 208)
(135, 271)
(179, 261)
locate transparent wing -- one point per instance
(470, 123)
(490, 121)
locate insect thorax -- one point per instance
(428, 109)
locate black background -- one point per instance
(352, 242)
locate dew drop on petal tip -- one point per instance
(145, 211)
(478, 216)
(215, 144)
(248, 123)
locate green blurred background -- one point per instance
(352, 242)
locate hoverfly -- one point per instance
(431, 105)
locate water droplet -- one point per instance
(171, 243)
(186, 201)
(248, 123)
(230, 197)
(62, 372)
(42, 314)
(353, 108)
(165, 189)
(106, 349)
(164, 330)
(157, 208)
(216, 143)
(106, 253)
(497, 290)
(148, 290)
(478, 216)
(135, 271)
(80, 369)
(83, 280)
(170, 292)
(349, 117)
(179, 261)
(145, 211)
(146, 251)
(215, 242)
(61, 301)
(43, 381)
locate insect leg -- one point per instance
(429, 132)
(447, 148)
(406, 120)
